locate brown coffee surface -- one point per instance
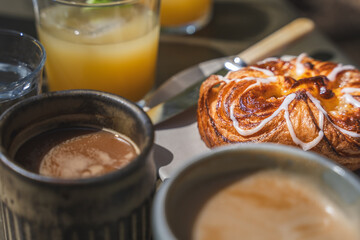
(272, 205)
(76, 153)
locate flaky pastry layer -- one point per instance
(301, 102)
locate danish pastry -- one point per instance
(296, 101)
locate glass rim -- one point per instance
(81, 3)
(36, 43)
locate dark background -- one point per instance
(339, 20)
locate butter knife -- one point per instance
(267, 47)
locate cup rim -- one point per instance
(37, 43)
(85, 4)
(159, 221)
(128, 169)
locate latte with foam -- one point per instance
(272, 205)
(76, 152)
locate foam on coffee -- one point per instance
(272, 205)
(76, 152)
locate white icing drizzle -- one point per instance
(266, 60)
(317, 104)
(320, 108)
(313, 143)
(300, 69)
(296, 140)
(259, 81)
(349, 98)
(350, 90)
(224, 78)
(336, 70)
(264, 71)
(287, 58)
(284, 105)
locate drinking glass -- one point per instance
(22, 60)
(109, 46)
(185, 16)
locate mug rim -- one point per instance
(160, 224)
(36, 43)
(110, 176)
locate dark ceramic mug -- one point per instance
(112, 206)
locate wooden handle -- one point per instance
(277, 40)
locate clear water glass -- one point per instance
(22, 60)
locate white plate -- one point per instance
(177, 140)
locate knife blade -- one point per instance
(267, 47)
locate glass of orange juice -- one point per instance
(106, 45)
(185, 16)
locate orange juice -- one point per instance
(183, 12)
(111, 49)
